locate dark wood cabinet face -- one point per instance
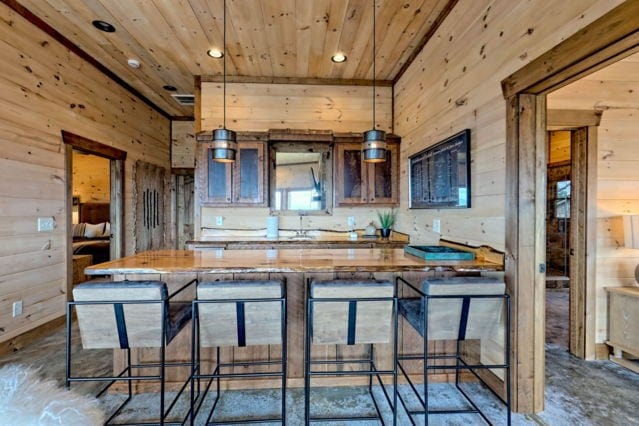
(358, 183)
(238, 183)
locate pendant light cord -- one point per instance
(374, 51)
(224, 65)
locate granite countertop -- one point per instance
(282, 260)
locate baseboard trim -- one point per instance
(20, 341)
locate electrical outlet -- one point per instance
(437, 226)
(351, 222)
(219, 220)
(17, 308)
(46, 224)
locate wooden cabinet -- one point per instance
(357, 182)
(241, 183)
(623, 317)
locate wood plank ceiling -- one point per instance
(265, 38)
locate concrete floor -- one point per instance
(577, 392)
(557, 326)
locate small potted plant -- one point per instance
(386, 221)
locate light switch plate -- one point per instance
(46, 224)
(437, 226)
(17, 308)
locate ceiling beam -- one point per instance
(431, 32)
(294, 80)
(48, 29)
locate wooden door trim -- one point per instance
(609, 38)
(92, 147)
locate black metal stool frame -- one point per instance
(460, 364)
(373, 371)
(197, 398)
(129, 378)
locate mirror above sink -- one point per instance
(300, 178)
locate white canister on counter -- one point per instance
(272, 226)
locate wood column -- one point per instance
(525, 241)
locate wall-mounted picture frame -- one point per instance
(439, 176)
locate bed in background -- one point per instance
(93, 234)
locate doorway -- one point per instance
(558, 189)
(605, 41)
(95, 209)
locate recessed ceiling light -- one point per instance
(133, 63)
(338, 58)
(103, 26)
(169, 88)
(215, 53)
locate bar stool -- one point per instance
(349, 312)
(238, 314)
(459, 309)
(126, 315)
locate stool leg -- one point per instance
(162, 373)
(307, 366)
(284, 359)
(67, 383)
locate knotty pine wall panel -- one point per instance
(91, 178)
(44, 88)
(454, 84)
(259, 107)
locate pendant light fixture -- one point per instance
(224, 140)
(374, 146)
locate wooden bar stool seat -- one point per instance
(460, 309)
(238, 313)
(350, 312)
(126, 315)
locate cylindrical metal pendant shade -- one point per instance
(224, 145)
(374, 146)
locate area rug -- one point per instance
(28, 400)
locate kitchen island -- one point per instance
(298, 266)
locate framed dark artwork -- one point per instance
(439, 176)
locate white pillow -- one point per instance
(92, 231)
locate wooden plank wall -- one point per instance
(258, 106)
(613, 90)
(183, 144)
(266, 106)
(44, 89)
(91, 178)
(450, 87)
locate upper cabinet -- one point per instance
(358, 182)
(241, 183)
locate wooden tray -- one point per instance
(439, 253)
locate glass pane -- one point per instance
(353, 174)
(249, 170)
(300, 181)
(217, 178)
(563, 189)
(383, 178)
(562, 208)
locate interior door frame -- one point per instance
(610, 38)
(117, 157)
(583, 224)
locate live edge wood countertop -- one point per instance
(282, 260)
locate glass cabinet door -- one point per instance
(350, 175)
(249, 173)
(383, 178)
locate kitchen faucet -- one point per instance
(301, 232)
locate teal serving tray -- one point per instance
(439, 253)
